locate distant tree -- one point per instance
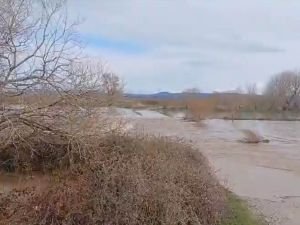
(251, 92)
(283, 90)
(191, 90)
(251, 89)
(112, 87)
(238, 90)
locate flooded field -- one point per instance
(286, 133)
(267, 175)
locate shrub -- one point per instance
(40, 152)
(62, 142)
(199, 109)
(131, 180)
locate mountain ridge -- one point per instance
(166, 95)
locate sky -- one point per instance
(172, 45)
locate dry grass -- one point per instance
(131, 180)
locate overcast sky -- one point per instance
(170, 45)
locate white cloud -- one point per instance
(213, 44)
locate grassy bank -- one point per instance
(240, 214)
(129, 180)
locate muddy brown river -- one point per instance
(267, 175)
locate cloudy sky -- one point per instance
(171, 45)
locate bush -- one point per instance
(58, 142)
(41, 151)
(131, 180)
(200, 109)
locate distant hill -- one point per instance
(165, 96)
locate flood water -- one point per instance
(280, 133)
(267, 175)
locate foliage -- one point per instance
(240, 213)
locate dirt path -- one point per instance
(266, 175)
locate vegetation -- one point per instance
(240, 213)
(283, 91)
(279, 101)
(131, 180)
(47, 91)
(51, 123)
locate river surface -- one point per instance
(280, 133)
(267, 175)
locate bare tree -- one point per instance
(251, 92)
(37, 45)
(111, 84)
(85, 76)
(251, 89)
(112, 87)
(238, 90)
(190, 93)
(39, 56)
(90, 78)
(283, 90)
(42, 71)
(193, 90)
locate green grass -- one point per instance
(240, 213)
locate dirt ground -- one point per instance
(266, 175)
